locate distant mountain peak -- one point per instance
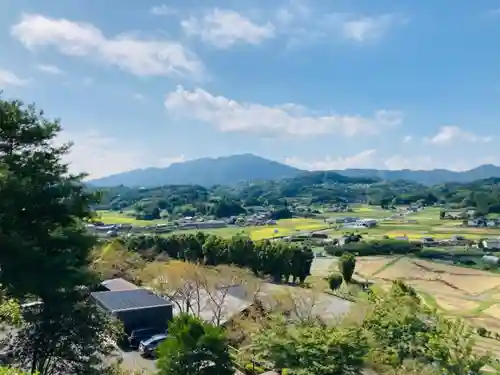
(223, 170)
(232, 169)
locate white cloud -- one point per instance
(398, 162)
(50, 69)
(407, 139)
(449, 134)
(224, 28)
(164, 162)
(362, 160)
(8, 78)
(163, 10)
(426, 162)
(362, 28)
(137, 56)
(303, 24)
(289, 119)
(370, 159)
(100, 155)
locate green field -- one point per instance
(421, 224)
(361, 211)
(414, 226)
(282, 228)
(113, 217)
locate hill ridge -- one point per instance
(232, 169)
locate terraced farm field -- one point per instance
(471, 294)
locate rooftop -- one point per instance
(128, 299)
(118, 284)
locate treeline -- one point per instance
(313, 188)
(220, 201)
(279, 260)
(377, 247)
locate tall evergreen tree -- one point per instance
(44, 247)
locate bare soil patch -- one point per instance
(403, 269)
(367, 266)
(455, 304)
(472, 284)
(493, 311)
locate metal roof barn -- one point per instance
(137, 308)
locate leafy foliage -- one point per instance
(277, 259)
(194, 347)
(311, 349)
(347, 264)
(335, 280)
(45, 248)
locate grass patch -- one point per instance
(112, 217)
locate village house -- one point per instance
(491, 243)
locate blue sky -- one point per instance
(316, 84)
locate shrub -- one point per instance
(252, 369)
(334, 281)
(347, 264)
(481, 331)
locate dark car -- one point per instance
(147, 348)
(143, 334)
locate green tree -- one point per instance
(194, 348)
(44, 247)
(312, 348)
(68, 337)
(347, 264)
(394, 323)
(451, 345)
(334, 281)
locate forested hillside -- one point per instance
(314, 188)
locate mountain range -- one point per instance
(230, 170)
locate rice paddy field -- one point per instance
(420, 224)
(414, 226)
(282, 228)
(471, 294)
(113, 217)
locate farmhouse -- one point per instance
(491, 244)
(369, 223)
(211, 224)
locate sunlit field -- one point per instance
(112, 217)
(471, 294)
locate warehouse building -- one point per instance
(136, 308)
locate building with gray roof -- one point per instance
(136, 308)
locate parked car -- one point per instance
(147, 348)
(143, 334)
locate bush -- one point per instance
(335, 281)
(252, 369)
(347, 264)
(483, 332)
